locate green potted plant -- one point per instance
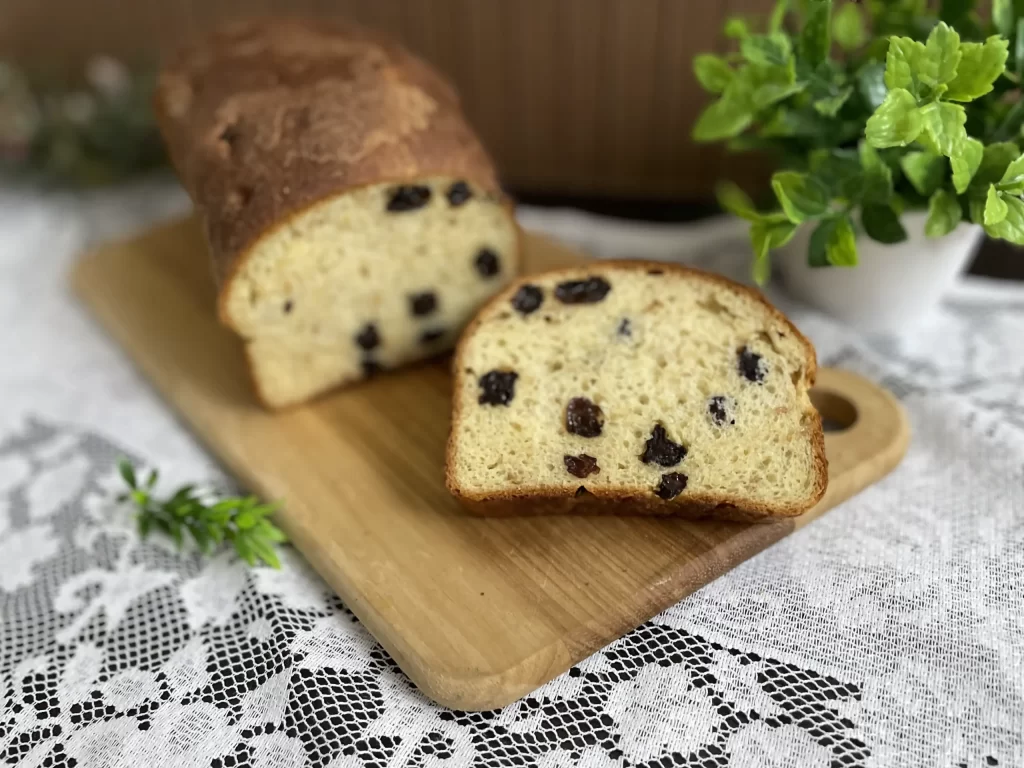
(897, 148)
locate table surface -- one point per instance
(888, 633)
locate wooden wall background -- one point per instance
(591, 97)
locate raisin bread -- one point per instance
(354, 220)
(634, 387)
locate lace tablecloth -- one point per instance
(888, 633)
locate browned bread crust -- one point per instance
(599, 500)
(263, 119)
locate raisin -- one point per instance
(655, 271)
(581, 466)
(581, 491)
(288, 307)
(368, 338)
(583, 418)
(408, 198)
(371, 368)
(458, 193)
(432, 335)
(588, 291)
(625, 327)
(671, 485)
(751, 366)
(487, 263)
(421, 304)
(660, 450)
(527, 299)
(717, 409)
(497, 387)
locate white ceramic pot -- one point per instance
(893, 288)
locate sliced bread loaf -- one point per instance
(634, 387)
(354, 220)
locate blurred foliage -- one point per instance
(96, 133)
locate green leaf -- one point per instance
(712, 72)
(938, 65)
(802, 196)
(1012, 180)
(778, 16)
(768, 50)
(246, 520)
(764, 86)
(722, 119)
(830, 105)
(145, 523)
(735, 201)
(871, 83)
(839, 170)
(174, 529)
(243, 546)
(152, 478)
(944, 214)
(1011, 228)
(127, 472)
(265, 552)
(882, 224)
(815, 37)
(965, 162)
(848, 27)
(761, 270)
(995, 207)
(199, 535)
(901, 62)
(944, 125)
(841, 248)
(767, 235)
(976, 208)
(980, 66)
(994, 162)
(1003, 16)
(878, 183)
(833, 243)
(270, 532)
(736, 28)
(897, 122)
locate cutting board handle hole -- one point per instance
(838, 413)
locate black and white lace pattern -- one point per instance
(888, 633)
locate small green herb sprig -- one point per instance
(923, 112)
(239, 520)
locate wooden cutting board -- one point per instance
(478, 612)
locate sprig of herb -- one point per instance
(239, 520)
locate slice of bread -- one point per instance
(634, 387)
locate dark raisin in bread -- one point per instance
(354, 220)
(634, 387)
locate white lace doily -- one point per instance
(888, 633)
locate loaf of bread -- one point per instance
(634, 387)
(354, 219)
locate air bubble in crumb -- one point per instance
(644, 399)
(557, 365)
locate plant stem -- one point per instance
(1011, 116)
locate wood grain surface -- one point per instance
(478, 612)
